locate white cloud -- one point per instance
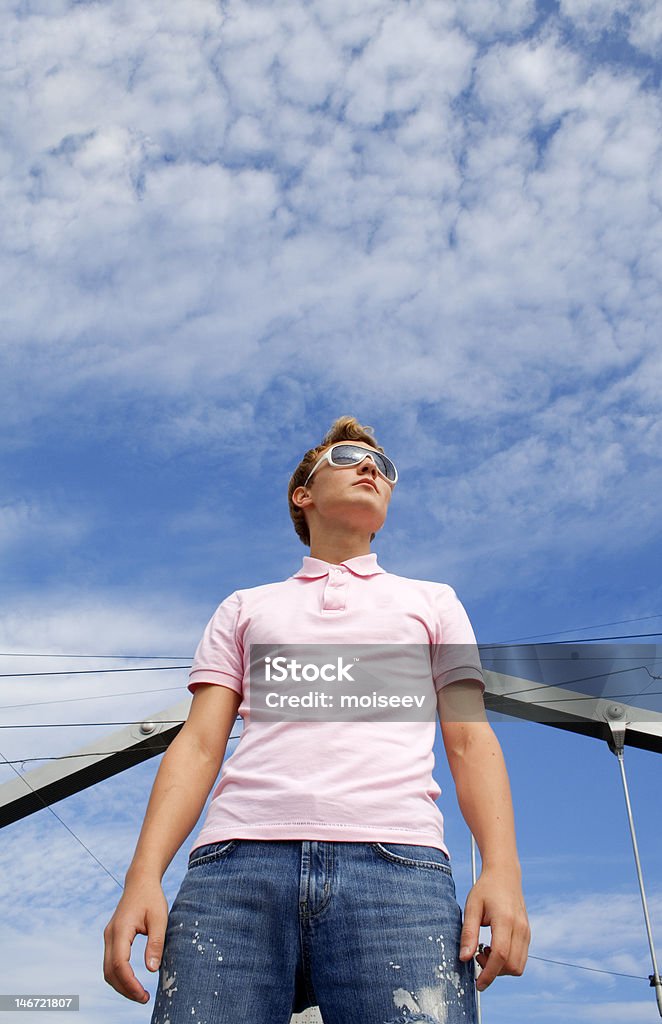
(646, 27)
(487, 20)
(601, 929)
(53, 934)
(96, 624)
(199, 206)
(395, 70)
(63, 622)
(617, 1011)
(637, 21)
(24, 522)
(602, 932)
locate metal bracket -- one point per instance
(614, 715)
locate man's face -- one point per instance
(357, 495)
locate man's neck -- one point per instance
(338, 549)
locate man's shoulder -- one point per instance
(425, 586)
(261, 590)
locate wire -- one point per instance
(93, 671)
(171, 668)
(64, 757)
(89, 753)
(582, 640)
(586, 679)
(71, 831)
(549, 643)
(176, 657)
(577, 629)
(49, 808)
(579, 697)
(83, 725)
(160, 689)
(581, 967)
(98, 696)
(98, 657)
(507, 693)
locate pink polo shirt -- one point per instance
(351, 781)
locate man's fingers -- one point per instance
(117, 969)
(519, 950)
(515, 962)
(498, 955)
(157, 922)
(473, 914)
(513, 965)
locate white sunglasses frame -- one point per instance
(350, 465)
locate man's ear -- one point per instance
(301, 497)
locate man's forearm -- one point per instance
(182, 784)
(483, 793)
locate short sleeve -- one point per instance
(220, 658)
(454, 653)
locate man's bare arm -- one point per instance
(183, 782)
(483, 792)
(187, 772)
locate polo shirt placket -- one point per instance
(334, 598)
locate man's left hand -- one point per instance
(496, 900)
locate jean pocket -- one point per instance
(409, 856)
(211, 852)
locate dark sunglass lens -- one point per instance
(349, 454)
(385, 465)
(345, 455)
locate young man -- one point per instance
(321, 875)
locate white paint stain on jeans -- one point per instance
(426, 1004)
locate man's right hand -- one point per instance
(143, 909)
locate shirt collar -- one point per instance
(361, 565)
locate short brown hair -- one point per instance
(345, 428)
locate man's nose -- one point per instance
(368, 465)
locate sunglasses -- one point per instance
(343, 455)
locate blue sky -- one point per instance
(224, 225)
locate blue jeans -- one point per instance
(261, 929)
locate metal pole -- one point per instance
(615, 718)
(655, 980)
(477, 968)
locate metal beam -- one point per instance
(581, 688)
(104, 757)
